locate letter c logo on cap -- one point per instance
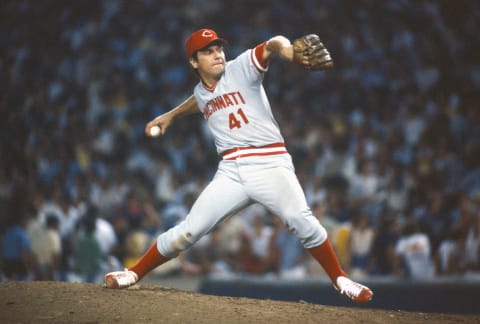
(207, 33)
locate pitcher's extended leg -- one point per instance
(220, 199)
(279, 190)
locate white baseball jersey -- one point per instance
(236, 109)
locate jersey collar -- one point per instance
(210, 89)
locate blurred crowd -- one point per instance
(386, 145)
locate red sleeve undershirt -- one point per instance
(258, 51)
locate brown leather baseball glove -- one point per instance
(310, 48)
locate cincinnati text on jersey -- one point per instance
(221, 102)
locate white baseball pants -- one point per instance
(268, 180)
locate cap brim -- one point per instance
(220, 41)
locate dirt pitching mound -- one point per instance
(60, 302)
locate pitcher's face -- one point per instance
(210, 62)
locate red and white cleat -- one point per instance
(120, 279)
(353, 290)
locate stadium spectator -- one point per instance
(88, 256)
(383, 256)
(414, 253)
(47, 248)
(362, 237)
(18, 260)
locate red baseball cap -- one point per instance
(200, 39)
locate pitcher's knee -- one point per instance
(175, 240)
(316, 238)
(309, 231)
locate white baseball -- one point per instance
(155, 131)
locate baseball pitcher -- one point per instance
(255, 166)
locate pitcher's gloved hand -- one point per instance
(310, 47)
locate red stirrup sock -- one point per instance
(327, 258)
(149, 261)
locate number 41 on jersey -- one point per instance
(236, 119)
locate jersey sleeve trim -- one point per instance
(256, 55)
